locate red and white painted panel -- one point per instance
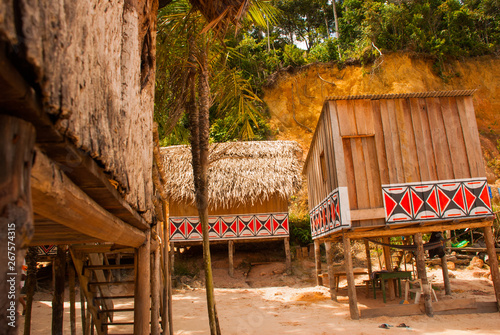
(227, 227)
(331, 214)
(46, 250)
(436, 200)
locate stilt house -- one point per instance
(397, 165)
(250, 184)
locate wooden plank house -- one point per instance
(249, 187)
(397, 165)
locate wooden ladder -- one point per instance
(95, 274)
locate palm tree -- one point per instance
(193, 56)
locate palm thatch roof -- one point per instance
(239, 172)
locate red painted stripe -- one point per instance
(399, 219)
(454, 214)
(474, 183)
(427, 216)
(483, 212)
(421, 186)
(449, 184)
(395, 189)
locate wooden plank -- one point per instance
(440, 145)
(52, 189)
(350, 174)
(406, 141)
(346, 117)
(416, 121)
(454, 134)
(360, 178)
(338, 146)
(392, 311)
(351, 286)
(393, 131)
(368, 214)
(427, 140)
(472, 144)
(454, 304)
(330, 152)
(364, 117)
(471, 116)
(380, 143)
(493, 262)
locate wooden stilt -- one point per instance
(172, 258)
(368, 258)
(230, 248)
(422, 274)
(142, 304)
(82, 312)
(388, 267)
(17, 139)
(58, 298)
(288, 256)
(155, 293)
(446, 277)
(331, 277)
(351, 288)
(72, 307)
(317, 259)
(118, 260)
(89, 323)
(493, 262)
(30, 287)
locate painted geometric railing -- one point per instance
(46, 250)
(331, 214)
(230, 227)
(436, 200)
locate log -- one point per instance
(230, 247)
(351, 287)
(142, 304)
(331, 272)
(58, 298)
(493, 262)
(155, 293)
(422, 274)
(288, 256)
(446, 276)
(76, 210)
(17, 140)
(30, 287)
(72, 302)
(317, 259)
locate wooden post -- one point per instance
(72, 308)
(331, 279)
(82, 312)
(30, 287)
(493, 262)
(89, 322)
(446, 277)
(58, 298)
(288, 256)
(368, 258)
(388, 267)
(351, 288)
(17, 139)
(230, 250)
(317, 259)
(155, 293)
(118, 260)
(422, 274)
(142, 304)
(168, 327)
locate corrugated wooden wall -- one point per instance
(389, 141)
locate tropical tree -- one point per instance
(192, 76)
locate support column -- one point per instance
(368, 258)
(82, 312)
(388, 267)
(31, 258)
(446, 277)
(155, 292)
(72, 303)
(230, 248)
(17, 139)
(493, 262)
(288, 256)
(58, 298)
(331, 273)
(317, 259)
(142, 288)
(422, 274)
(351, 288)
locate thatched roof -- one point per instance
(239, 172)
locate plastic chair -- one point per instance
(418, 290)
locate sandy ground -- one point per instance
(294, 306)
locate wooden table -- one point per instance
(383, 276)
(337, 275)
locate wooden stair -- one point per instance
(97, 284)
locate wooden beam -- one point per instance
(351, 286)
(331, 271)
(493, 262)
(17, 139)
(446, 276)
(367, 214)
(142, 303)
(75, 209)
(288, 256)
(317, 260)
(230, 247)
(422, 274)
(59, 283)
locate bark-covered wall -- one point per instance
(93, 63)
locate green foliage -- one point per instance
(300, 229)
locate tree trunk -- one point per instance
(198, 110)
(336, 19)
